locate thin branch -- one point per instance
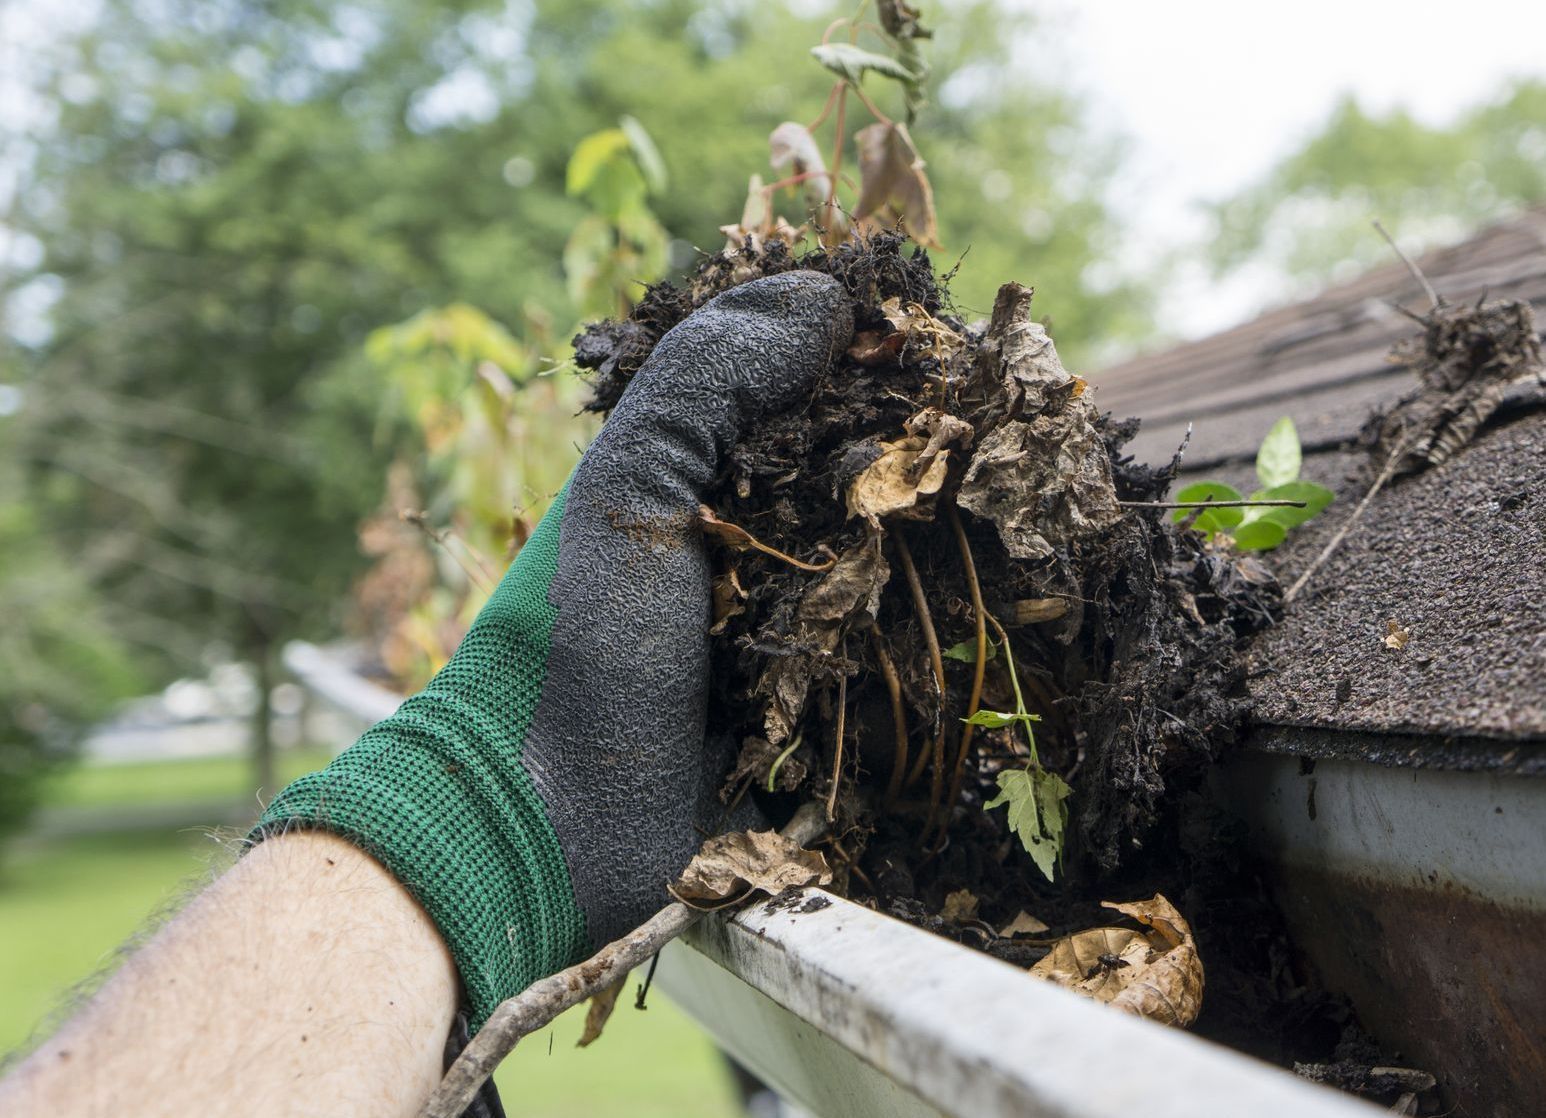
(420, 520)
(1347, 525)
(1417, 273)
(837, 759)
(1212, 504)
(975, 587)
(930, 638)
(898, 715)
(826, 110)
(545, 999)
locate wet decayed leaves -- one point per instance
(840, 574)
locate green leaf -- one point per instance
(966, 651)
(646, 154)
(1037, 815)
(590, 155)
(848, 61)
(1315, 497)
(1260, 535)
(994, 719)
(1279, 459)
(1209, 521)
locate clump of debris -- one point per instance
(939, 573)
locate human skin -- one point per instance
(305, 980)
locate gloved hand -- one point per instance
(537, 796)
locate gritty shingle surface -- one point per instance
(1457, 557)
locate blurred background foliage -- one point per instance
(283, 270)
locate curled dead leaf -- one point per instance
(893, 184)
(792, 149)
(960, 906)
(923, 334)
(1042, 483)
(729, 597)
(1396, 635)
(602, 1003)
(941, 429)
(850, 590)
(898, 483)
(1017, 359)
(1155, 974)
(732, 867)
(1024, 924)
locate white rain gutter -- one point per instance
(851, 1014)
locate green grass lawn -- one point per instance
(172, 782)
(67, 903)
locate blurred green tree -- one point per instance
(1310, 216)
(227, 196)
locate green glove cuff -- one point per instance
(437, 794)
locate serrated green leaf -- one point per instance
(1036, 813)
(1209, 521)
(848, 61)
(966, 651)
(1260, 535)
(994, 719)
(1279, 459)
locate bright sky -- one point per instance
(1208, 92)
(1211, 92)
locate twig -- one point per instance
(898, 715)
(420, 520)
(975, 587)
(1417, 273)
(837, 759)
(1212, 504)
(930, 639)
(1336, 541)
(542, 1001)
(734, 536)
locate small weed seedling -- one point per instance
(1034, 795)
(1259, 528)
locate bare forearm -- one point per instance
(305, 980)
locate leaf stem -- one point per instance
(1242, 504)
(778, 761)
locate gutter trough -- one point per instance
(1420, 893)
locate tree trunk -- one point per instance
(262, 740)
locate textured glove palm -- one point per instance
(540, 791)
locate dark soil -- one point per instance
(1128, 632)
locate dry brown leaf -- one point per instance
(729, 597)
(599, 1013)
(960, 906)
(850, 589)
(1043, 476)
(1155, 974)
(793, 150)
(1017, 357)
(871, 347)
(893, 183)
(731, 867)
(894, 485)
(1395, 635)
(1024, 924)
(942, 429)
(923, 334)
(1042, 483)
